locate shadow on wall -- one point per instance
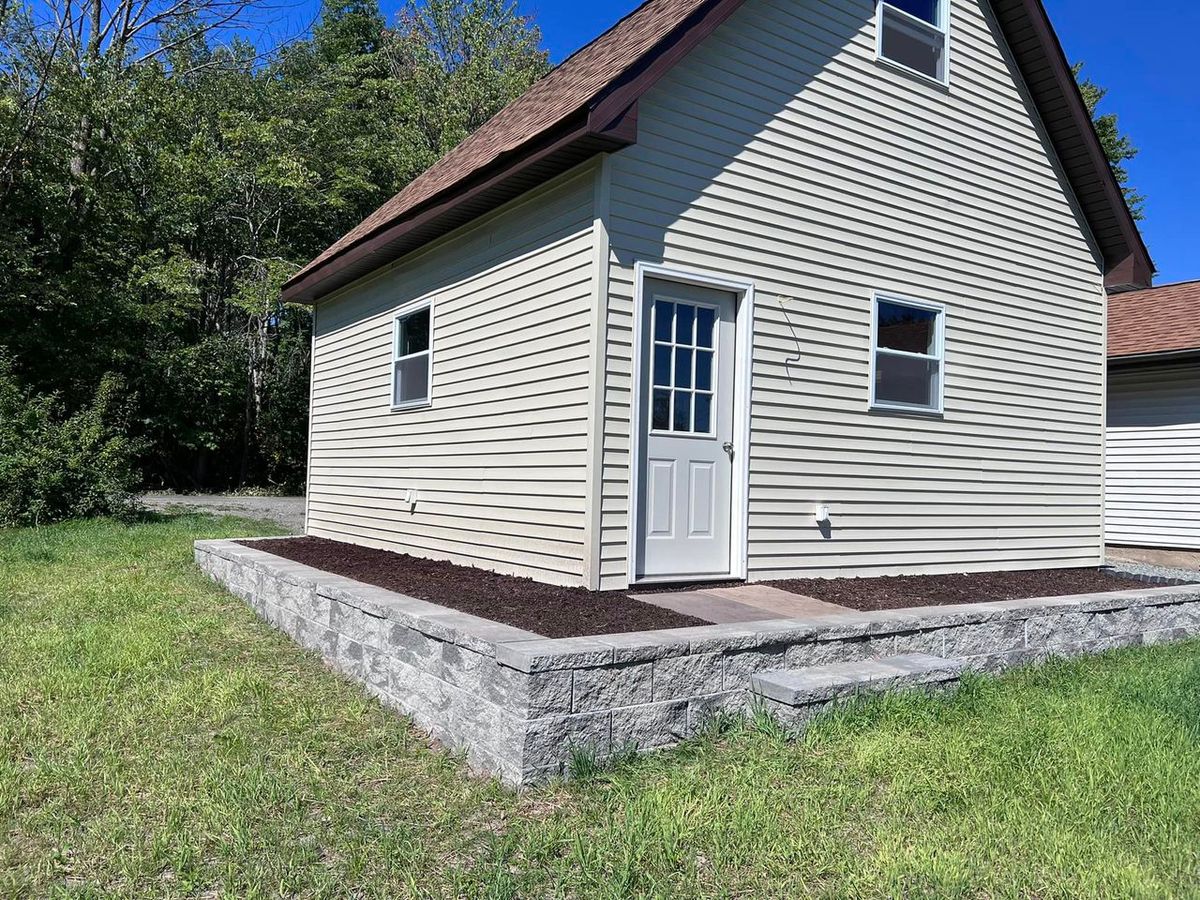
(709, 132)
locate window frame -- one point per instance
(404, 312)
(939, 339)
(943, 27)
(693, 390)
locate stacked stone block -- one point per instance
(519, 704)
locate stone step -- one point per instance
(818, 685)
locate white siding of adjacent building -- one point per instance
(499, 459)
(1152, 477)
(782, 152)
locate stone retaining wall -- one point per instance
(518, 704)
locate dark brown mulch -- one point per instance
(544, 609)
(903, 591)
(552, 611)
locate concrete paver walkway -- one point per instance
(744, 603)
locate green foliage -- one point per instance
(55, 466)
(1118, 147)
(461, 61)
(151, 206)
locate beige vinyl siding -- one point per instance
(1152, 478)
(499, 460)
(780, 151)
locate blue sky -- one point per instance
(1143, 53)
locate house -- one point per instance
(742, 289)
(1152, 474)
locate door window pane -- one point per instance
(662, 364)
(682, 419)
(685, 316)
(706, 318)
(703, 414)
(683, 361)
(683, 367)
(664, 313)
(704, 367)
(661, 413)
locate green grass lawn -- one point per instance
(156, 739)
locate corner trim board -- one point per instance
(598, 381)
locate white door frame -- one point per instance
(739, 509)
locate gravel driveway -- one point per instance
(287, 511)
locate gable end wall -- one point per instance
(782, 152)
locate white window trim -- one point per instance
(402, 313)
(939, 338)
(943, 27)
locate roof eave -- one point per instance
(505, 179)
(1160, 356)
(1127, 262)
(1133, 273)
(610, 123)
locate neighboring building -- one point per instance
(1152, 475)
(732, 265)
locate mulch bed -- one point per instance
(903, 591)
(553, 611)
(544, 609)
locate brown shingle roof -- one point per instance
(567, 89)
(1158, 320)
(588, 104)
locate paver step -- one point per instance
(819, 684)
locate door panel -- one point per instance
(660, 487)
(702, 503)
(688, 341)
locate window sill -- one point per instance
(944, 86)
(415, 404)
(895, 409)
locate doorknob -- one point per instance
(728, 445)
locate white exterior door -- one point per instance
(686, 474)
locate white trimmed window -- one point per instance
(915, 35)
(412, 356)
(907, 354)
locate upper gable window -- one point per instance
(914, 34)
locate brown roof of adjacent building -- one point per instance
(1158, 320)
(588, 105)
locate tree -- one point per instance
(157, 187)
(1118, 147)
(460, 61)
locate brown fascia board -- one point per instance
(1040, 55)
(610, 123)
(556, 152)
